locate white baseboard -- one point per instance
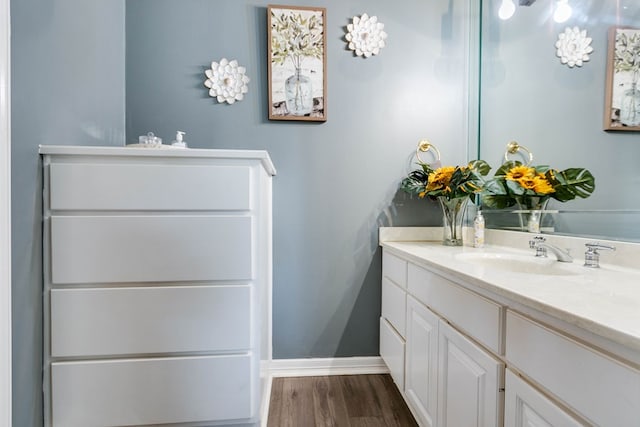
(327, 366)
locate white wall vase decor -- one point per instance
(573, 47)
(365, 35)
(226, 81)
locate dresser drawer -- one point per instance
(600, 388)
(477, 316)
(116, 249)
(93, 322)
(395, 269)
(131, 186)
(152, 391)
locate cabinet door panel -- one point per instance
(421, 385)
(116, 321)
(152, 391)
(116, 249)
(392, 352)
(470, 382)
(527, 407)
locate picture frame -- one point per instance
(297, 65)
(622, 94)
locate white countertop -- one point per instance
(604, 301)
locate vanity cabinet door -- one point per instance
(421, 374)
(527, 407)
(470, 382)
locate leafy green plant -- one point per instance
(514, 183)
(627, 52)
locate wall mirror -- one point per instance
(528, 95)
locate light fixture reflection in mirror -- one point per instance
(507, 9)
(563, 11)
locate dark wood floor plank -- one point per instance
(338, 401)
(395, 411)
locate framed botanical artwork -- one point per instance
(622, 99)
(297, 67)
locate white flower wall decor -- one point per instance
(226, 81)
(365, 35)
(573, 47)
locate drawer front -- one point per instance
(604, 390)
(392, 352)
(394, 305)
(471, 313)
(118, 321)
(151, 391)
(81, 186)
(395, 269)
(115, 249)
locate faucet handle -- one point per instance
(536, 243)
(592, 256)
(533, 243)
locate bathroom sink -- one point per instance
(524, 264)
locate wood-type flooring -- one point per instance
(338, 400)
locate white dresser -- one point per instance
(157, 286)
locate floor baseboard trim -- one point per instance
(328, 366)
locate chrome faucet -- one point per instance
(592, 256)
(540, 244)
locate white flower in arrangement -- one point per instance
(226, 81)
(365, 35)
(573, 47)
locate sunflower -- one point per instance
(519, 172)
(541, 185)
(440, 179)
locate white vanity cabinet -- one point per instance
(481, 351)
(450, 379)
(157, 286)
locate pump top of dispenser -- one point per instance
(179, 141)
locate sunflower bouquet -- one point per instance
(449, 182)
(530, 187)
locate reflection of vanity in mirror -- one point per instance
(528, 95)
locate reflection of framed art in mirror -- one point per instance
(622, 95)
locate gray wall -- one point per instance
(67, 88)
(336, 181)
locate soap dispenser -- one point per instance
(478, 229)
(179, 141)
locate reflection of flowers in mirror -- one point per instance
(514, 183)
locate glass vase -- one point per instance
(531, 212)
(453, 211)
(298, 94)
(630, 106)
